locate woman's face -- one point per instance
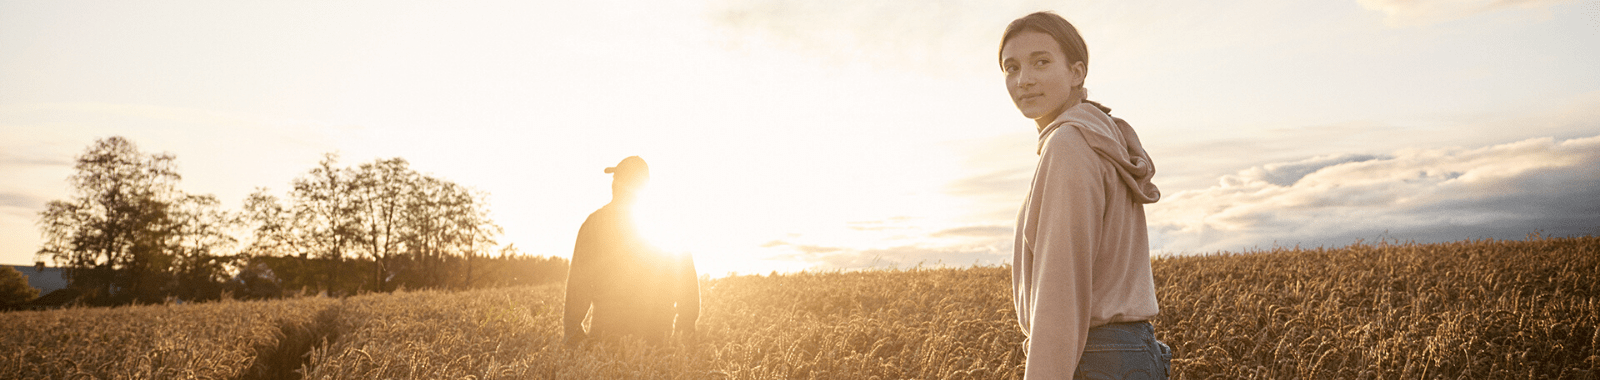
(1037, 75)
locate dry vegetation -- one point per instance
(1481, 309)
(226, 340)
(1484, 309)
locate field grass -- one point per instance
(1474, 309)
(1484, 309)
(229, 340)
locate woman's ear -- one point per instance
(1078, 71)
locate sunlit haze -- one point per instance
(785, 135)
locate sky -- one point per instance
(832, 134)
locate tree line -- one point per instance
(128, 234)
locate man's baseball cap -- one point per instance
(633, 165)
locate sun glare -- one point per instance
(661, 231)
(706, 229)
(675, 231)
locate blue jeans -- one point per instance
(1124, 351)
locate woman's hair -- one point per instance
(1065, 35)
(1058, 28)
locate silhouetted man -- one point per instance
(634, 288)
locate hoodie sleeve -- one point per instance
(688, 296)
(580, 282)
(1062, 224)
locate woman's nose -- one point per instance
(1025, 80)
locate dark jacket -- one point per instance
(634, 288)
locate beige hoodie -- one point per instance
(1082, 255)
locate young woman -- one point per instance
(1081, 272)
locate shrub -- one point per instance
(14, 288)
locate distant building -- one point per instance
(46, 281)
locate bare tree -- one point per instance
(382, 191)
(271, 225)
(447, 221)
(200, 265)
(325, 213)
(412, 229)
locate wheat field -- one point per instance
(1471, 309)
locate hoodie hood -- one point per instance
(1115, 141)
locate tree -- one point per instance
(382, 191)
(324, 217)
(271, 225)
(127, 226)
(14, 288)
(198, 267)
(111, 237)
(446, 222)
(381, 219)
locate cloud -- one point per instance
(993, 183)
(805, 249)
(1331, 184)
(976, 231)
(1187, 163)
(1286, 174)
(21, 201)
(907, 246)
(996, 193)
(19, 160)
(904, 256)
(1424, 12)
(893, 223)
(1500, 191)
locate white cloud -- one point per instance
(906, 256)
(1287, 173)
(1500, 191)
(896, 243)
(976, 231)
(1424, 12)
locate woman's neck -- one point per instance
(1050, 118)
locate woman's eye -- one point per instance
(1041, 62)
(1009, 69)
